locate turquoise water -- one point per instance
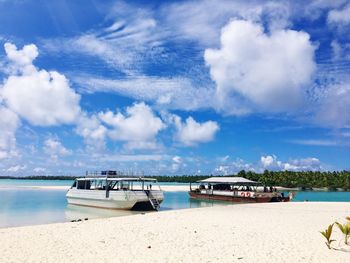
(322, 196)
(15, 182)
(26, 206)
(21, 206)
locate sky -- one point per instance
(174, 87)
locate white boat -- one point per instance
(116, 193)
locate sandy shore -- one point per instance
(273, 232)
(166, 188)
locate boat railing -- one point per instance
(153, 200)
(113, 174)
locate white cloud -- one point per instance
(133, 157)
(192, 132)
(202, 20)
(16, 168)
(93, 132)
(39, 170)
(341, 51)
(142, 145)
(41, 97)
(306, 164)
(315, 142)
(22, 59)
(9, 123)
(169, 93)
(138, 127)
(132, 35)
(54, 148)
(340, 16)
(114, 55)
(271, 162)
(177, 164)
(333, 110)
(261, 71)
(227, 168)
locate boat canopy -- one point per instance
(117, 179)
(228, 180)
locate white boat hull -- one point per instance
(121, 199)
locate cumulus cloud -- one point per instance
(192, 132)
(9, 123)
(305, 164)
(259, 71)
(237, 165)
(54, 148)
(268, 162)
(138, 127)
(271, 162)
(93, 132)
(41, 97)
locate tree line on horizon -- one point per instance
(302, 179)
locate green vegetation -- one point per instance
(327, 234)
(345, 229)
(304, 179)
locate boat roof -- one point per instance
(117, 179)
(229, 180)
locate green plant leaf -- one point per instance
(341, 227)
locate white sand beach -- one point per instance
(271, 232)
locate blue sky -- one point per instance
(174, 87)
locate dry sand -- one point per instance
(272, 232)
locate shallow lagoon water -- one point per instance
(21, 206)
(27, 206)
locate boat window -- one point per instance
(222, 187)
(124, 185)
(112, 185)
(74, 184)
(81, 184)
(84, 184)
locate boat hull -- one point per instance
(237, 199)
(124, 200)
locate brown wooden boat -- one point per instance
(236, 190)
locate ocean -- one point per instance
(20, 206)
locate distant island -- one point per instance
(304, 179)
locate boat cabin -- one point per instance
(234, 189)
(115, 184)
